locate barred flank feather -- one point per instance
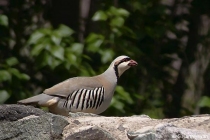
(84, 99)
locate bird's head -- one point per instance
(121, 64)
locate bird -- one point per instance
(83, 94)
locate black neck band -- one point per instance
(116, 71)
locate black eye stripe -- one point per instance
(125, 59)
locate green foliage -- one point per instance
(55, 47)
(204, 102)
(3, 20)
(113, 20)
(111, 13)
(121, 99)
(11, 78)
(94, 42)
(4, 96)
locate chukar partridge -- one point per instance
(83, 94)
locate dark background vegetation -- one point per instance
(43, 42)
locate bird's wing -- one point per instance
(67, 87)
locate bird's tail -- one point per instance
(41, 100)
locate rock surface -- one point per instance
(26, 122)
(15, 112)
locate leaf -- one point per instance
(14, 72)
(4, 20)
(55, 63)
(67, 66)
(117, 104)
(19, 75)
(204, 102)
(118, 22)
(58, 52)
(56, 39)
(106, 55)
(99, 15)
(92, 37)
(12, 61)
(112, 11)
(117, 12)
(117, 31)
(35, 37)
(64, 31)
(37, 49)
(25, 77)
(123, 12)
(72, 59)
(5, 75)
(4, 95)
(94, 46)
(50, 61)
(77, 48)
(124, 95)
(94, 41)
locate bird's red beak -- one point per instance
(132, 63)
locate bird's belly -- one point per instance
(99, 110)
(103, 107)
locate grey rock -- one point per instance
(145, 133)
(146, 136)
(79, 114)
(167, 131)
(44, 127)
(15, 112)
(26, 122)
(141, 136)
(171, 132)
(142, 116)
(121, 128)
(57, 125)
(76, 122)
(93, 133)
